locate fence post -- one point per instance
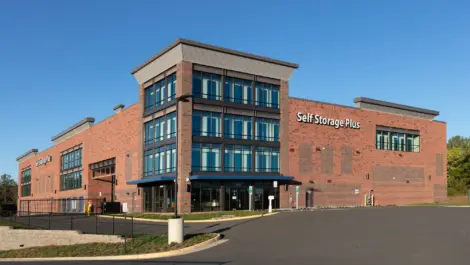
(71, 222)
(50, 215)
(96, 223)
(132, 226)
(113, 224)
(29, 218)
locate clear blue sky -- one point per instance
(61, 61)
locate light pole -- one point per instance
(182, 98)
(176, 224)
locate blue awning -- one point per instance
(239, 177)
(151, 179)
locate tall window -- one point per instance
(171, 94)
(171, 125)
(71, 160)
(238, 127)
(238, 158)
(149, 97)
(206, 85)
(149, 136)
(160, 92)
(26, 182)
(160, 160)
(71, 181)
(267, 95)
(267, 159)
(238, 90)
(205, 157)
(160, 128)
(267, 130)
(397, 141)
(206, 124)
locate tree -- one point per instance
(8, 189)
(459, 142)
(458, 165)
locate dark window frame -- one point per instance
(231, 118)
(26, 182)
(166, 118)
(200, 75)
(209, 168)
(271, 151)
(397, 147)
(272, 122)
(234, 148)
(269, 87)
(209, 133)
(160, 150)
(152, 89)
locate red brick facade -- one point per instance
(316, 154)
(118, 136)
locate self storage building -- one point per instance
(222, 123)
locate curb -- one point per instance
(171, 253)
(192, 221)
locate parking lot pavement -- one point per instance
(380, 236)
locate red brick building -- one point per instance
(222, 123)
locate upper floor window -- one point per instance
(71, 160)
(267, 130)
(205, 157)
(160, 160)
(267, 159)
(71, 181)
(160, 92)
(206, 85)
(238, 127)
(267, 95)
(171, 93)
(160, 128)
(397, 141)
(237, 158)
(238, 90)
(206, 124)
(26, 182)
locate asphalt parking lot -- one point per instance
(399, 235)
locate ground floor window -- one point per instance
(159, 198)
(209, 196)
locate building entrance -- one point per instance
(238, 199)
(159, 198)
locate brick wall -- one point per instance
(118, 136)
(338, 161)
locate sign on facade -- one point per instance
(321, 120)
(43, 161)
(275, 184)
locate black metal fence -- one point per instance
(92, 223)
(63, 205)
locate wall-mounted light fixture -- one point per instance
(367, 176)
(292, 150)
(400, 154)
(311, 182)
(84, 187)
(318, 149)
(429, 177)
(329, 181)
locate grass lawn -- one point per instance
(198, 216)
(14, 225)
(138, 245)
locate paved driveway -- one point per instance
(389, 236)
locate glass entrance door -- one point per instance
(238, 199)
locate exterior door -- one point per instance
(233, 199)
